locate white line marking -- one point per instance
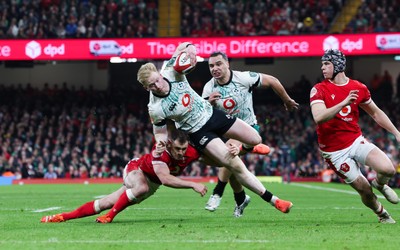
(62, 241)
(45, 209)
(330, 189)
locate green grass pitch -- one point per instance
(324, 216)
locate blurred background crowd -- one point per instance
(199, 18)
(73, 132)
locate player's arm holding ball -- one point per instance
(190, 50)
(185, 58)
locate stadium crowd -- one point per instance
(41, 19)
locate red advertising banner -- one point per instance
(235, 47)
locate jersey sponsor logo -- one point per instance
(186, 100)
(229, 104)
(344, 167)
(345, 111)
(333, 96)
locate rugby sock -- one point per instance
(380, 210)
(220, 188)
(86, 209)
(267, 196)
(123, 202)
(246, 148)
(240, 197)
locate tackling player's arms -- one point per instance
(163, 173)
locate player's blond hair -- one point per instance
(144, 73)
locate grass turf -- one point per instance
(324, 216)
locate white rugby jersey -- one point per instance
(182, 104)
(236, 94)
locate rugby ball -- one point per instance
(182, 64)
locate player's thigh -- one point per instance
(218, 152)
(380, 162)
(136, 180)
(243, 132)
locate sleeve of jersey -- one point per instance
(164, 158)
(249, 79)
(206, 91)
(367, 95)
(316, 95)
(192, 154)
(156, 117)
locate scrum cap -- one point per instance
(337, 58)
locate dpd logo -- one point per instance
(33, 49)
(330, 42)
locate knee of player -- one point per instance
(141, 190)
(391, 171)
(254, 140)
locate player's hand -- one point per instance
(351, 98)
(200, 188)
(233, 149)
(291, 105)
(215, 96)
(191, 53)
(160, 148)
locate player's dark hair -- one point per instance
(219, 53)
(178, 135)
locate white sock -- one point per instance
(273, 200)
(130, 195)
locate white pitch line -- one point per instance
(330, 189)
(45, 209)
(63, 241)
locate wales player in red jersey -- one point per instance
(335, 104)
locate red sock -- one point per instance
(122, 203)
(86, 209)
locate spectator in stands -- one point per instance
(50, 173)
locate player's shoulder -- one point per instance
(166, 157)
(210, 83)
(192, 152)
(358, 83)
(245, 74)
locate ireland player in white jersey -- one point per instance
(172, 98)
(232, 92)
(235, 97)
(180, 105)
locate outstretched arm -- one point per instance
(160, 133)
(276, 85)
(381, 118)
(162, 171)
